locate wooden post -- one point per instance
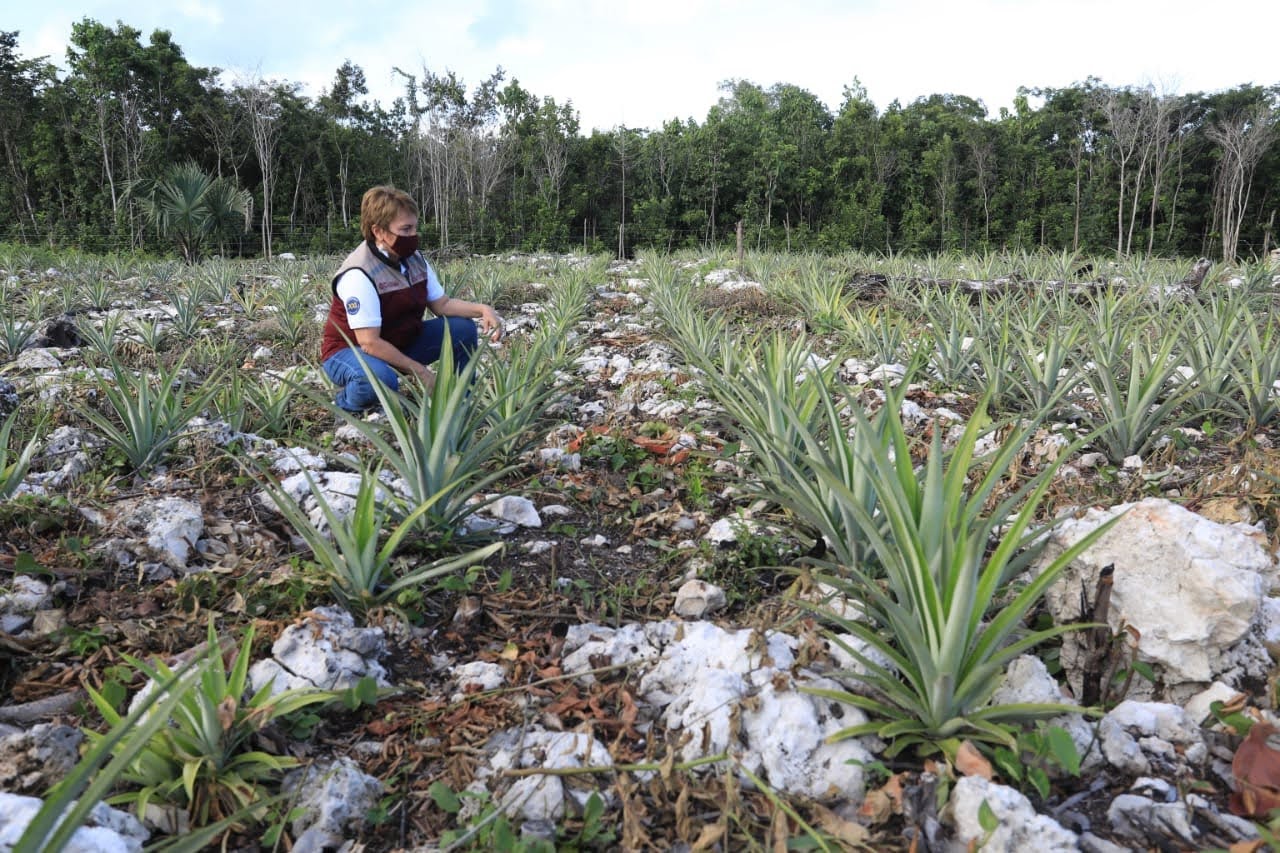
(622, 241)
(739, 244)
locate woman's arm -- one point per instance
(372, 343)
(490, 322)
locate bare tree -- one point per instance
(1243, 138)
(1129, 115)
(622, 147)
(1164, 141)
(1145, 132)
(225, 128)
(982, 151)
(490, 155)
(263, 110)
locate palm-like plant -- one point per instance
(515, 389)
(148, 418)
(13, 468)
(359, 563)
(1138, 400)
(444, 445)
(205, 761)
(774, 400)
(937, 604)
(192, 208)
(15, 333)
(1255, 370)
(1042, 370)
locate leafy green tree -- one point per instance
(21, 83)
(192, 208)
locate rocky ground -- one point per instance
(631, 671)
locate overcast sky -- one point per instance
(639, 63)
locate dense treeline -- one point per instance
(1091, 167)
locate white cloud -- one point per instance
(207, 12)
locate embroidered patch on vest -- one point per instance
(353, 306)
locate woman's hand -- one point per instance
(427, 375)
(490, 323)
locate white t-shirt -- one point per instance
(360, 297)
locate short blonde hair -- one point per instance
(382, 204)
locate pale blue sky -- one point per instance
(640, 62)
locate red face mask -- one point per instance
(404, 246)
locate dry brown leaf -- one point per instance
(837, 827)
(780, 830)
(1256, 768)
(667, 769)
(227, 712)
(1252, 845)
(708, 838)
(971, 762)
(876, 807)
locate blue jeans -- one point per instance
(356, 392)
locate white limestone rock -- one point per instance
(630, 645)
(291, 460)
(326, 651)
(1171, 824)
(172, 527)
(727, 531)
(785, 735)
(699, 678)
(544, 798)
(1198, 707)
(106, 830)
(38, 359)
(338, 488)
(477, 677)
(1026, 680)
(1192, 587)
(1019, 827)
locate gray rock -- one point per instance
(1150, 738)
(514, 509)
(555, 457)
(1194, 824)
(32, 761)
(38, 359)
(8, 397)
(1019, 827)
(327, 651)
(18, 606)
(65, 441)
(697, 598)
(335, 797)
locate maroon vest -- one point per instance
(402, 299)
